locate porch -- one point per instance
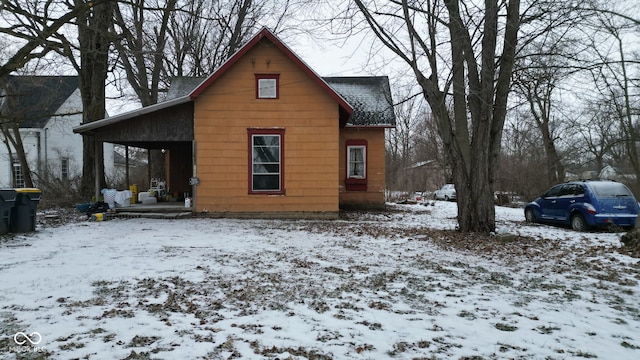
(163, 210)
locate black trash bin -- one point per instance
(23, 214)
(7, 201)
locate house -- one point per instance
(265, 136)
(46, 108)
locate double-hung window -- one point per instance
(356, 165)
(18, 175)
(266, 172)
(64, 171)
(356, 159)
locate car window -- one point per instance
(610, 189)
(554, 191)
(567, 190)
(579, 190)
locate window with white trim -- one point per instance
(266, 164)
(64, 168)
(357, 162)
(18, 175)
(267, 86)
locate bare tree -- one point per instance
(538, 85)
(35, 28)
(94, 42)
(452, 47)
(615, 74)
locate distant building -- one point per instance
(46, 109)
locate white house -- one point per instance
(47, 108)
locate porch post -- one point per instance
(126, 166)
(97, 149)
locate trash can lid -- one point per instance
(7, 195)
(28, 190)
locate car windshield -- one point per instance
(611, 189)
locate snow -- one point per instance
(398, 284)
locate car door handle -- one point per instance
(572, 201)
(553, 201)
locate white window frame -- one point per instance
(268, 88)
(350, 161)
(64, 168)
(17, 173)
(279, 163)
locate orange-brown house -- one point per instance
(264, 135)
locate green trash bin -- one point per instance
(7, 201)
(23, 214)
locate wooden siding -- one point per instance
(374, 196)
(228, 108)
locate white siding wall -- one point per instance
(55, 141)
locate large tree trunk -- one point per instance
(94, 54)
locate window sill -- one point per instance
(353, 184)
(278, 193)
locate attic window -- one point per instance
(267, 86)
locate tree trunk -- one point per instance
(94, 54)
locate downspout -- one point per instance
(39, 147)
(46, 154)
(194, 186)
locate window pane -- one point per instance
(356, 170)
(266, 154)
(266, 182)
(267, 88)
(266, 168)
(269, 140)
(356, 166)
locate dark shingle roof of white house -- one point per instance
(33, 100)
(370, 96)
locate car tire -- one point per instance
(446, 198)
(578, 223)
(530, 216)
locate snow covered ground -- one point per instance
(397, 284)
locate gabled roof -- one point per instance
(33, 100)
(268, 35)
(373, 104)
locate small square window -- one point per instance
(267, 86)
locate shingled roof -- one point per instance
(33, 100)
(370, 97)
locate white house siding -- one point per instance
(45, 148)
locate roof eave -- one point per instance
(382, 126)
(85, 128)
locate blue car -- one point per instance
(584, 205)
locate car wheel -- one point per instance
(578, 223)
(446, 198)
(530, 216)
